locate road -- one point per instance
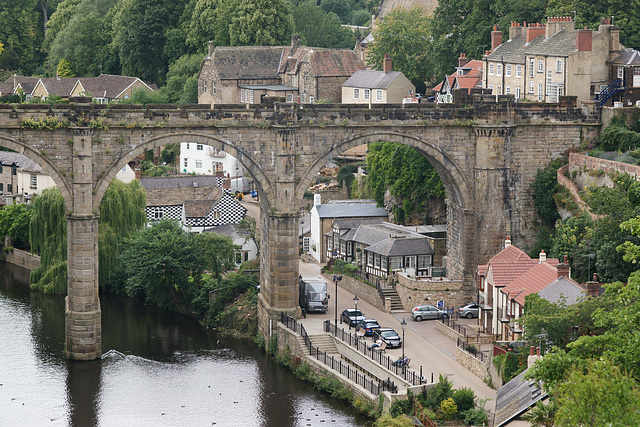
(426, 346)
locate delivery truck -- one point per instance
(313, 294)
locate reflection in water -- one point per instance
(158, 369)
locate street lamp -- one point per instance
(404, 325)
(336, 279)
(355, 303)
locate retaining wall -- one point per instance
(578, 161)
(474, 365)
(358, 288)
(23, 259)
(415, 292)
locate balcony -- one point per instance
(212, 152)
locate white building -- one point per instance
(202, 159)
(247, 249)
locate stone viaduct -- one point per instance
(486, 154)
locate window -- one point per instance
(311, 99)
(498, 69)
(491, 87)
(369, 258)
(507, 90)
(518, 71)
(636, 76)
(343, 247)
(491, 66)
(532, 62)
(238, 257)
(384, 260)
(356, 93)
(199, 147)
(349, 248)
(305, 244)
(216, 214)
(329, 243)
(1, 186)
(204, 86)
(289, 97)
(396, 263)
(620, 73)
(379, 95)
(242, 96)
(250, 97)
(424, 261)
(410, 262)
(558, 65)
(530, 87)
(377, 261)
(198, 164)
(157, 213)
(507, 70)
(540, 95)
(213, 88)
(367, 94)
(517, 93)
(499, 90)
(540, 65)
(185, 162)
(306, 78)
(460, 72)
(217, 166)
(14, 170)
(187, 145)
(34, 181)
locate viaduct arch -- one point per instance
(486, 156)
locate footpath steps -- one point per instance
(324, 342)
(396, 303)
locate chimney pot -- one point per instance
(543, 256)
(387, 65)
(532, 351)
(538, 351)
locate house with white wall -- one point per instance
(202, 159)
(247, 248)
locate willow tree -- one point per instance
(48, 236)
(121, 215)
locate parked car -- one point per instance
(351, 316)
(427, 311)
(388, 336)
(469, 310)
(368, 325)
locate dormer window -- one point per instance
(460, 72)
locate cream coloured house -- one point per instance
(377, 87)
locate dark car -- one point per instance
(351, 316)
(368, 325)
(469, 310)
(389, 336)
(427, 311)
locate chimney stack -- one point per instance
(496, 38)
(533, 356)
(593, 286)
(295, 42)
(463, 60)
(212, 47)
(507, 242)
(563, 268)
(138, 173)
(533, 31)
(387, 66)
(584, 40)
(543, 257)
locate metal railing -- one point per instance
(353, 340)
(374, 386)
(453, 324)
(473, 350)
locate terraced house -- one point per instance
(541, 62)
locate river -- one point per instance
(158, 369)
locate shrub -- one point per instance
(464, 398)
(448, 408)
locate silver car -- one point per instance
(427, 311)
(469, 310)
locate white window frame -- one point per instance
(491, 68)
(518, 93)
(498, 69)
(204, 86)
(507, 70)
(540, 93)
(532, 86)
(507, 90)
(395, 263)
(532, 66)
(186, 162)
(356, 93)
(33, 181)
(158, 213)
(384, 263)
(379, 95)
(370, 258)
(289, 97)
(199, 147)
(540, 66)
(242, 97)
(558, 65)
(198, 164)
(518, 71)
(620, 73)
(424, 261)
(410, 261)
(251, 97)
(311, 99)
(376, 261)
(367, 94)
(636, 77)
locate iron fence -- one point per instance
(353, 340)
(374, 386)
(473, 350)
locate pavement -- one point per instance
(427, 347)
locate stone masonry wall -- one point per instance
(580, 161)
(358, 288)
(23, 259)
(475, 366)
(416, 292)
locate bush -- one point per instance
(432, 398)
(465, 399)
(617, 137)
(448, 408)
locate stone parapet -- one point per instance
(414, 292)
(24, 259)
(473, 364)
(358, 288)
(580, 161)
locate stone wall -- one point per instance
(474, 365)
(358, 288)
(573, 189)
(23, 259)
(416, 292)
(579, 162)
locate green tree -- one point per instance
(261, 23)
(544, 186)
(319, 28)
(158, 261)
(180, 72)
(48, 237)
(405, 35)
(14, 222)
(64, 68)
(19, 35)
(217, 252)
(542, 415)
(59, 19)
(210, 22)
(122, 213)
(247, 227)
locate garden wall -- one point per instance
(358, 288)
(414, 292)
(474, 365)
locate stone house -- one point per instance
(626, 68)
(299, 74)
(53, 86)
(198, 202)
(21, 178)
(380, 248)
(323, 215)
(377, 87)
(541, 62)
(20, 84)
(468, 75)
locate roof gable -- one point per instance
(533, 280)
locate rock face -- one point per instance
(388, 5)
(436, 212)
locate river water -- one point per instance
(158, 369)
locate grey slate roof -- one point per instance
(515, 398)
(227, 230)
(372, 79)
(562, 43)
(511, 51)
(351, 210)
(370, 234)
(629, 58)
(247, 62)
(275, 88)
(562, 289)
(8, 158)
(401, 247)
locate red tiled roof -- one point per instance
(510, 252)
(465, 82)
(450, 80)
(533, 280)
(501, 272)
(482, 270)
